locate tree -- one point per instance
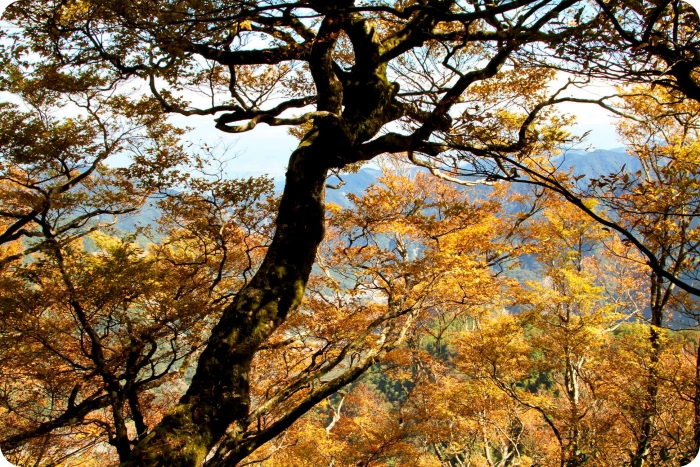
(97, 343)
(56, 186)
(140, 317)
(379, 77)
(661, 207)
(411, 243)
(573, 356)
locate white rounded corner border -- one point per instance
(4, 463)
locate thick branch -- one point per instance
(74, 415)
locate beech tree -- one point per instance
(573, 356)
(562, 381)
(661, 207)
(448, 83)
(428, 250)
(97, 343)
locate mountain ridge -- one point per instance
(591, 164)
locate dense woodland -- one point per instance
(481, 303)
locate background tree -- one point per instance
(56, 185)
(561, 380)
(661, 205)
(425, 248)
(99, 342)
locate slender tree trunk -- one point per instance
(487, 445)
(696, 404)
(658, 298)
(573, 453)
(647, 427)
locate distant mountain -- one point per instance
(147, 215)
(592, 164)
(354, 183)
(598, 162)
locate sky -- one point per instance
(266, 150)
(263, 150)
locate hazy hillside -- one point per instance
(598, 162)
(591, 164)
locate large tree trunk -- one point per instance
(219, 393)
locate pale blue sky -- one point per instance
(266, 150)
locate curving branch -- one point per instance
(272, 121)
(74, 415)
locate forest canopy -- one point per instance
(480, 302)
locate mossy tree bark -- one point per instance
(219, 394)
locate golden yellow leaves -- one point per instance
(73, 12)
(490, 369)
(495, 110)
